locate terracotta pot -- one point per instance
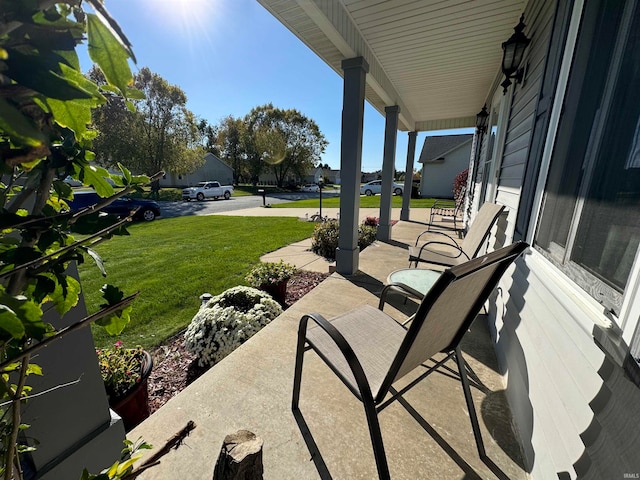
(133, 405)
(278, 291)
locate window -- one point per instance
(494, 136)
(590, 217)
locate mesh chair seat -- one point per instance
(375, 350)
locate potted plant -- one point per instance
(272, 278)
(125, 372)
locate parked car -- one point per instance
(375, 187)
(207, 190)
(311, 187)
(148, 210)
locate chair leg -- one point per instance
(376, 439)
(297, 376)
(469, 399)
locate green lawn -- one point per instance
(173, 261)
(365, 202)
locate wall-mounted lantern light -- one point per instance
(482, 119)
(512, 53)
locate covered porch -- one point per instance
(424, 66)
(426, 435)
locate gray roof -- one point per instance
(437, 146)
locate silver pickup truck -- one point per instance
(207, 190)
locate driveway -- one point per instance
(210, 207)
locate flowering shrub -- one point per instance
(270, 273)
(366, 235)
(460, 186)
(371, 221)
(228, 320)
(121, 368)
(325, 237)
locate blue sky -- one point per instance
(229, 56)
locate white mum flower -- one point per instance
(226, 321)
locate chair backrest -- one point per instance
(448, 309)
(481, 228)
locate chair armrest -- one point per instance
(455, 244)
(345, 349)
(444, 254)
(400, 288)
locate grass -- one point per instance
(173, 261)
(365, 202)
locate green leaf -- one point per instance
(63, 189)
(95, 176)
(108, 53)
(135, 94)
(116, 323)
(10, 323)
(40, 73)
(33, 369)
(125, 173)
(45, 286)
(111, 294)
(66, 295)
(73, 114)
(19, 127)
(97, 258)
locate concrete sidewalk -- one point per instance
(299, 253)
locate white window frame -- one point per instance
(501, 104)
(629, 317)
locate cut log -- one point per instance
(240, 457)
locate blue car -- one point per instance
(148, 209)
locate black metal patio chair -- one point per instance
(453, 252)
(369, 350)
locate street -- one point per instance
(209, 207)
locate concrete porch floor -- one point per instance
(427, 434)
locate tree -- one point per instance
(231, 132)
(160, 134)
(286, 140)
(45, 109)
(209, 134)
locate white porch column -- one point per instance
(408, 176)
(388, 169)
(355, 73)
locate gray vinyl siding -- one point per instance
(539, 19)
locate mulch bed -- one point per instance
(174, 368)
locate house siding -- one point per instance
(438, 176)
(568, 399)
(213, 169)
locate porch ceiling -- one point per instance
(436, 59)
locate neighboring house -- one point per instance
(367, 177)
(443, 157)
(331, 176)
(212, 169)
(561, 152)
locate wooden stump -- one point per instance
(240, 457)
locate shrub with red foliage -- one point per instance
(460, 186)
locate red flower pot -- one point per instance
(278, 291)
(133, 405)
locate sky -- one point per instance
(229, 56)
